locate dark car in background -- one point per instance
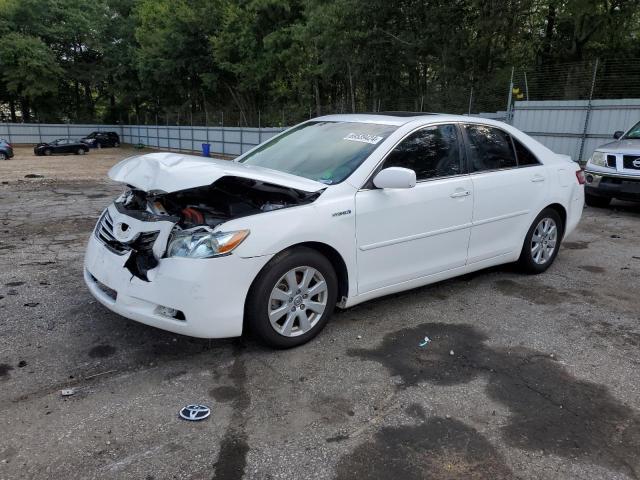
(101, 139)
(61, 145)
(6, 150)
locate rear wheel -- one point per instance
(542, 242)
(596, 200)
(47, 151)
(292, 298)
(98, 145)
(3, 156)
(81, 151)
(116, 144)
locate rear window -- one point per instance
(525, 157)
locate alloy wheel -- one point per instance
(544, 241)
(297, 301)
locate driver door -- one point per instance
(405, 234)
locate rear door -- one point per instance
(510, 187)
(404, 234)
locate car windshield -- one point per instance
(327, 152)
(634, 132)
(92, 135)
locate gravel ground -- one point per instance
(543, 381)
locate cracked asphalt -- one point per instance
(526, 377)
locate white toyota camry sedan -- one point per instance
(334, 211)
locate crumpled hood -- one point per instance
(630, 146)
(170, 172)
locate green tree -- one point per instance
(29, 70)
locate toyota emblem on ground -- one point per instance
(195, 412)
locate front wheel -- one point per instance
(542, 242)
(292, 298)
(81, 151)
(47, 152)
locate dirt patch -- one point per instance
(551, 410)
(102, 351)
(4, 370)
(438, 448)
(592, 269)
(580, 245)
(234, 448)
(93, 166)
(538, 294)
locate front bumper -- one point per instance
(612, 185)
(210, 293)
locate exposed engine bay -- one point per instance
(201, 208)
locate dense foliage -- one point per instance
(175, 60)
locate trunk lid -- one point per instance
(171, 172)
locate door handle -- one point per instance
(464, 193)
(537, 178)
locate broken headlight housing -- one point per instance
(204, 243)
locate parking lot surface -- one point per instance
(528, 377)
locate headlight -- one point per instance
(598, 159)
(204, 243)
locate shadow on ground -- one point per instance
(551, 411)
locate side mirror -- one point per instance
(617, 134)
(395, 177)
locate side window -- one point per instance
(489, 148)
(525, 157)
(431, 152)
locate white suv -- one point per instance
(613, 171)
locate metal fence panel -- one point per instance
(572, 126)
(223, 140)
(567, 127)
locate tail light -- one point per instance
(580, 176)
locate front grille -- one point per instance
(104, 233)
(627, 161)
(611, 161)
(145, 241)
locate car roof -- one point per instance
(401, 118)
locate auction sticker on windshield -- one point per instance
(363, 137)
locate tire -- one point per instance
(596, 201)
(98, 145)
(81, 151)
(47, 151)
(538, 260)
(116, 144)
(3, 156)
(288, 305)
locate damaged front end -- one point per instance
(151, 225)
